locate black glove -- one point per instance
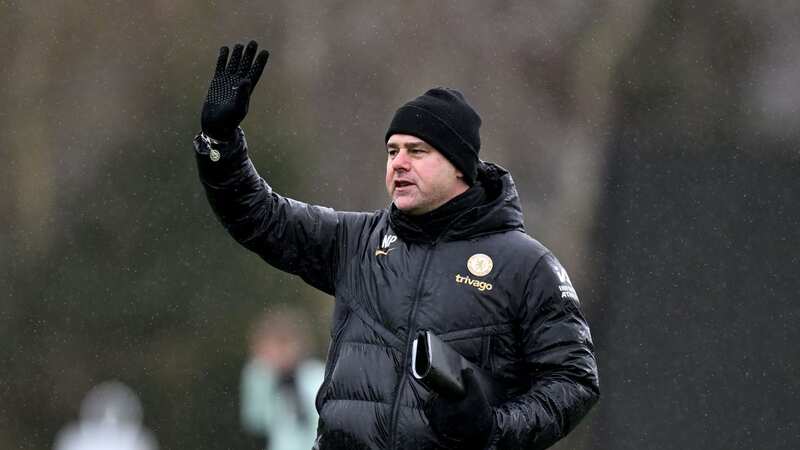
(229, 93)
(465, 423)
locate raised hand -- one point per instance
(229, 93)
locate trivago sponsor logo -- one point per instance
(477, 284)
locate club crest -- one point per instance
(479, 264)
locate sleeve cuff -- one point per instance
(219, 151)
(217, 160)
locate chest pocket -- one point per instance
(480, 345)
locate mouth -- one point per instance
(400, 184)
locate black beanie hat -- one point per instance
(444, 119)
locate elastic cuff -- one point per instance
(217, 162)
(218, 151)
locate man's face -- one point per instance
(419, 179)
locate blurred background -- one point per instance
(655, 145)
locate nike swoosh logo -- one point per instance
(382, 252)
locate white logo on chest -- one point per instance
(384, 249)
(388, 240)
(479, 264)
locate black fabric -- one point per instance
(443, 118)
(466, 423)
(514, 315)
(429, 226)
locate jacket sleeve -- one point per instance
(292, 236)
(558, 356)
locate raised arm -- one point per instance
(290, 235)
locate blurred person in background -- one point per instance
(279, 384)
(111, 418)
(450, 255)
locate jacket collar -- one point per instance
(497, 209)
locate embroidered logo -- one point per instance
(382, 252)
(479, 264)
(565, 285)
(477, 284)
(387, 241)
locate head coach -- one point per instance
(449, 254)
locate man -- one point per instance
(448, 255)
(279, 384)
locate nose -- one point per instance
(400, 161)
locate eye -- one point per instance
(392, 152)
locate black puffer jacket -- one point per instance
(496, 295)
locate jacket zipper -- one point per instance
(409, 340)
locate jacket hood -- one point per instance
(500, 212)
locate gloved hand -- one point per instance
(229, 94)
(466, 423)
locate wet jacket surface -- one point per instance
(495, 294)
